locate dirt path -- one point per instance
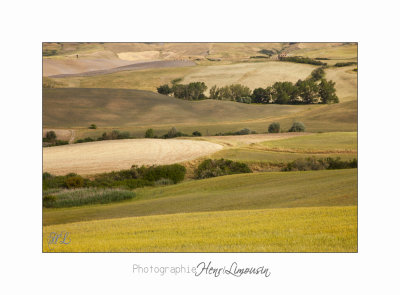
(106, 156)
(72, 138)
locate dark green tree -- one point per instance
(164, 89)
(260, 95)
(318, 74)
(307, 91)
(149, 133)
(327, 92)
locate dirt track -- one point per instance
(131, 67)
(106, 156)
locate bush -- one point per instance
(149, 133)
(115, 134)
(74, 181)
(87, 139)
(164, 89)
(174, 172)
(51, 135)
(79, 197)
(303, 60)
(267, 52)
(297, 127)
(93, 126)
(49, 201)
(318, 74)
(345, 64)
(213, 168)
(174, 133)
(196, 133)
(319, 164)
(274, 128)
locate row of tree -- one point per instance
(315, 89)
(191, 91)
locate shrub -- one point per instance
(164, 89)
(345, 64)
(74, 181)
(79, 197)
(174, 133)
(213, 168)
(149, 133)
(93, 126)
(163, 181)
(303, 60)
(266, 51)
(87, 139)
(319, 164)
(318, 74)
(196, 133)
(297, 127)
(51, 135)
(174, 172)
(244, 131)
(274, 128)
(49, 201)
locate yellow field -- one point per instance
(318, 229)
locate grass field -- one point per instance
(234, 192)
(318, 229)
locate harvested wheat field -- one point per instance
(111, 155)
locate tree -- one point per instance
(297, 127)
(260, 95)
(149, 133)
(274, 127)
(93, 126)
(214, 92)
(164, 89)
(318, 74)
(284, 92)
(327, 91)
(51, 135)
(172, 132)
(307, 90)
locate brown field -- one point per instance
(132, 67)
(57, 66)
(111, 155)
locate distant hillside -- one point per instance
(79, 107)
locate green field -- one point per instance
(234, 192)
(318, 229)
